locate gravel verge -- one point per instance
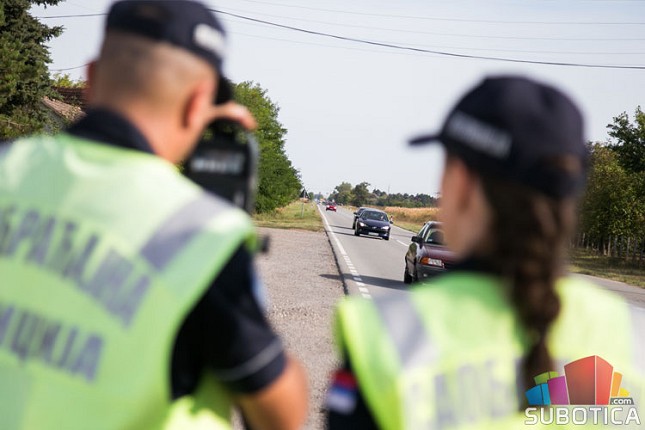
(303, 286)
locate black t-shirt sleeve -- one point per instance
(228, 334)
(345, 406)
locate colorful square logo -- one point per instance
(587, 381)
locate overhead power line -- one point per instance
(452, 47)
(78, 15)
(70, 68)
(427, 51)
(434, 33)
(386, 44)
(429, 18)
(399, 30)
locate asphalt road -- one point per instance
(371, 265)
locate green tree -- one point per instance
(361, 194)
(343, 193)
(23, 68)
(629, 143)
(614, 204)
(64, 80)
(279, 181)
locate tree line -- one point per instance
(360, 195)
(612, 212)
(26, 81)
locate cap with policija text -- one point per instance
(183, 23)
(513, 127)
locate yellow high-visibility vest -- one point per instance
(447, 355)
(103, 253)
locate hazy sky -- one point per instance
(349, 107)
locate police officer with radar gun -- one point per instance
(484, 345)
(128, 295)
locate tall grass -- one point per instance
(411, 218)
(296, 215)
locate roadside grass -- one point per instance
(616, 269)
(296, 215)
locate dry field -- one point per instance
(411, 218)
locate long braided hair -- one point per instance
(530, 233)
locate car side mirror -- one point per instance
(416, 239)
(355, 213)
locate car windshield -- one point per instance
(434, 236)
(376, 216)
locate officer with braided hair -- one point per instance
(462, 350)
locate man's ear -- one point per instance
(197, 106)
(90, 73)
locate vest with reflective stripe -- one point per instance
(103, 252)
(447, 355)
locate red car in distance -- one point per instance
(330, 207)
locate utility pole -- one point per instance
(303, 196)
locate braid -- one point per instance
(529, 237)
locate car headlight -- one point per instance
(361, 224)
(427, 261)
(386, 227)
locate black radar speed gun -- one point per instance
(225, 163)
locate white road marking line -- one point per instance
(340, 247)
(402, 243)
(361, 286)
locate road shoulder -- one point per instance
(303, 287)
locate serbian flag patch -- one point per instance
(343, 392)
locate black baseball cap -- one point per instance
(511, 127)
(186, 24)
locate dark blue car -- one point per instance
(373, 221)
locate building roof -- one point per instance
(72, 96)
(65, 111)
